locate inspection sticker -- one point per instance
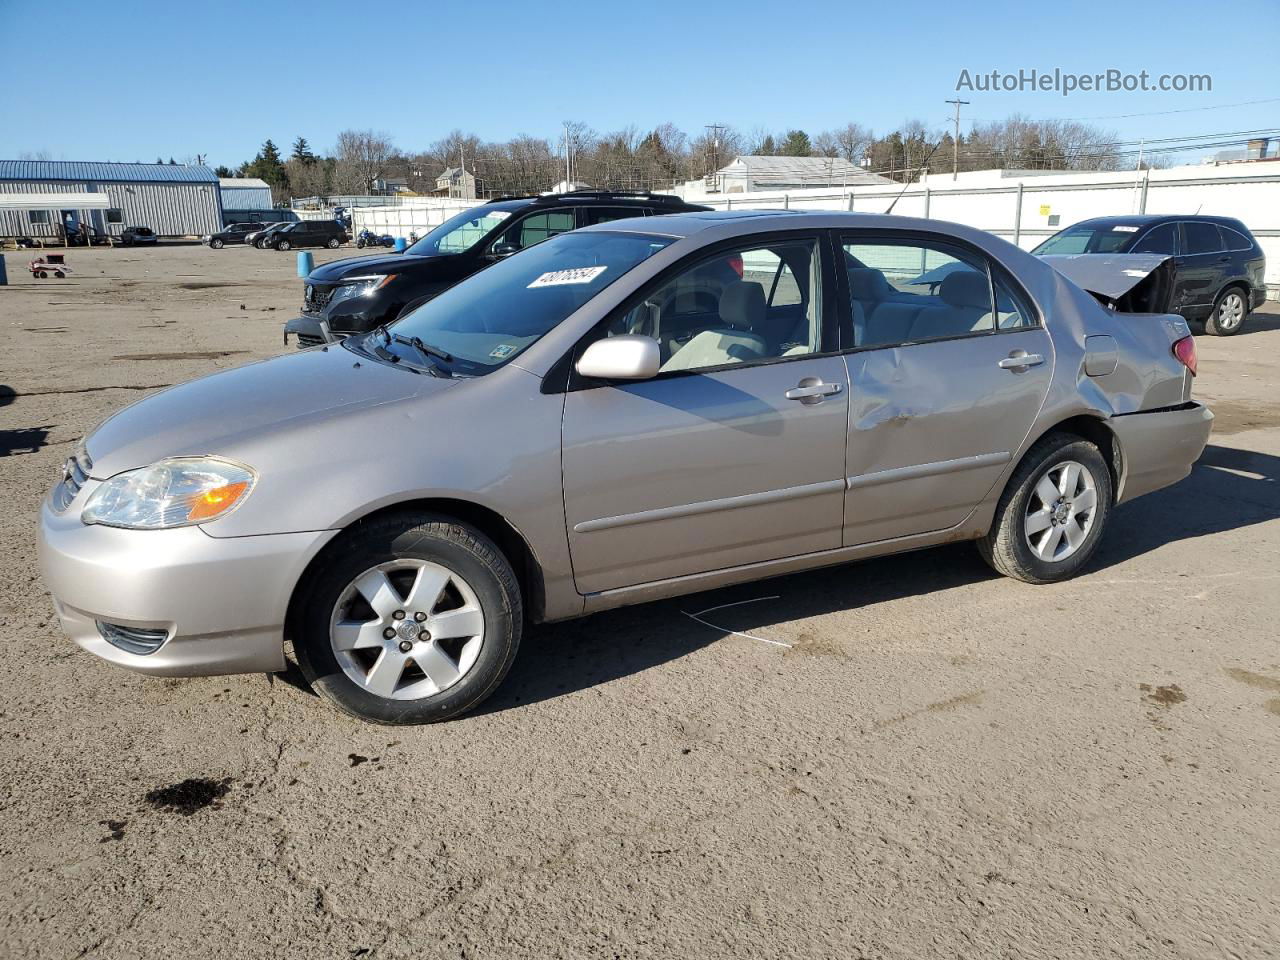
(498, 214)
(502, 351)
(560, 278)
(1122, 229)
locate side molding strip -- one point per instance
(926, 470)
(711, 506)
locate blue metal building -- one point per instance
(174, 200)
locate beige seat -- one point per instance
(742, 310)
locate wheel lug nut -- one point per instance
(425, 635)
(398, 615)
(388, 633)
(405, 646)
(419, 616)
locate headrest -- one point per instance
(742, 304)
(867, 283)
(966, 288)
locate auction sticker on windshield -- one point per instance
(560, 278)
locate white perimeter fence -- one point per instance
(1022, 207)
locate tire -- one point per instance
(59, 275)
(1229, 312)
(333, 243)
(282, 245)
(1008, 546)
(402, 550)
(360, 244)
(215, 243)
(41, 275)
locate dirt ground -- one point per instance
(943, 763)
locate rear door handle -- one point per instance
(1018, 363)
(812, 390)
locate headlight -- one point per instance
(172, 493)
(360, 286)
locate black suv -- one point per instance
(235, 233)
(309, 233)
(358, 294)
(1217, 264)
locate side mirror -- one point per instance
(504, 249)
(629, 357)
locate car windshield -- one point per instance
(460, 233)
(1095, 238)
(494, 315)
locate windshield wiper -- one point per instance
(432, 354)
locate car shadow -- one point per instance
(1228, 489)
(23, 440)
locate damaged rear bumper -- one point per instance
(1159, 447)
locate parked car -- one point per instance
(1218, 266)
(356, 295)
(309, 233)
(235, 233)
(138, 236)
(258, 238)
(625, 412)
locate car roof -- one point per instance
(1147, 219)
(594, 198)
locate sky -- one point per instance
(137, 79)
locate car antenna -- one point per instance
(912, 178)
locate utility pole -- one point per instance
(568, 172)
(713, 146)
(955, 142)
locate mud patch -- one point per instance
(186, 355)
(1249, 678)
(115, 829)
(809, 645)
(190, 796)
(1236, 416)
(1163, 696)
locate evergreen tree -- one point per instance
(302, 151)
(797, 144)
(767, 147)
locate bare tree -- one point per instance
(362, 157)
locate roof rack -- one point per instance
(660, 198)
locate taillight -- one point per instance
(1185, 351)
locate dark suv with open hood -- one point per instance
(361, 293)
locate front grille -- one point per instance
(315, 299)
(138, 640)
(74, 474)
(309, 340)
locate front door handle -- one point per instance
(812, 390)
(1021, 362)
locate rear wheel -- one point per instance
(58, 274)
(333, 243)
(282, 245)
(1228, 314)
(1052, 513)
(41, 275)
(412, 619)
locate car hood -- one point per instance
(1109, 275)
(243, 408)
(378, 263)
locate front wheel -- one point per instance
(215, 243)
(412, 619)
(283, 245)
(333, 243)
(1228, 314)
(1052, 513)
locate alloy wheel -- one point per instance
(1061, 511)
(1231, 311)
(407, 629)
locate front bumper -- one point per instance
(306, 330)
(220, 600)
(1159, 447)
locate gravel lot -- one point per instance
(942, 764)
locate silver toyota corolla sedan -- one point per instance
(645, 408)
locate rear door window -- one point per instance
(537, 227)
(605, 214)
(1201, 237)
